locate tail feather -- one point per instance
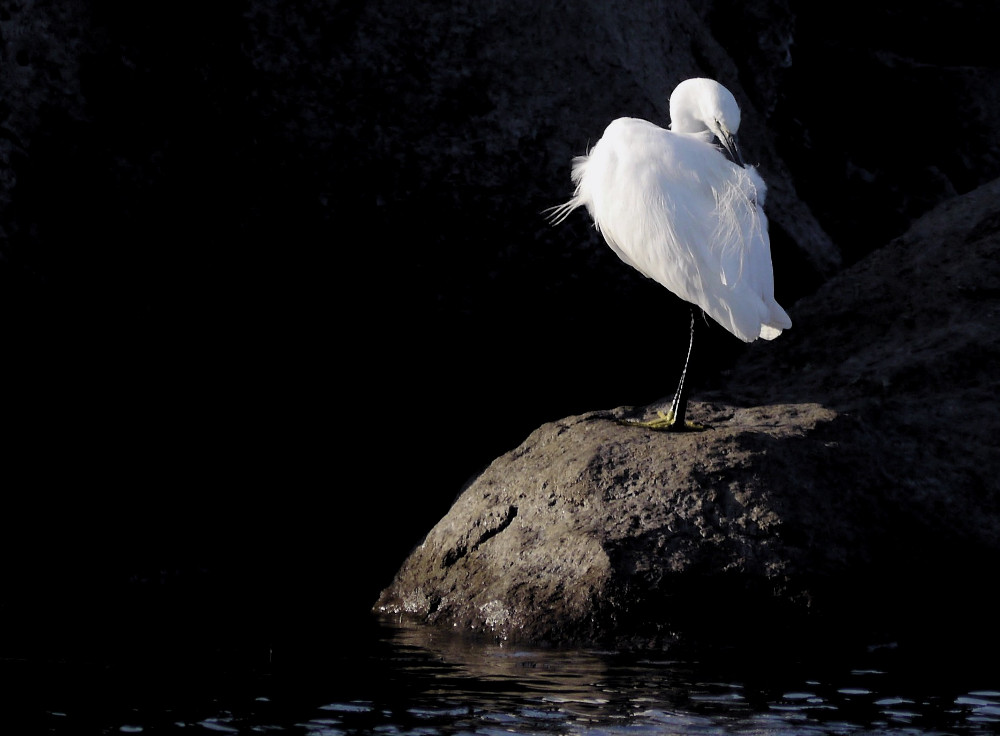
(560, 212)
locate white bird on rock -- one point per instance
(688, 214)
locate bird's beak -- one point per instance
(728, 141)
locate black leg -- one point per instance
(676, 419)
(678, 407)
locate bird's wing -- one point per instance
(645, 197)
(751, 274)
(675, 209)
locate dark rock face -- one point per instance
(851, 476)
(209, 210)
(893, 111)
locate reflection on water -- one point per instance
(476, 688)
(414, 680)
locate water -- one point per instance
(403, 679)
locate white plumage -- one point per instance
(675, 208)
(684, 210)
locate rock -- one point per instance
(850, 478)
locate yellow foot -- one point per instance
(665, 423)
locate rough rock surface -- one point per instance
(850, 478)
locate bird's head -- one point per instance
(703, 106)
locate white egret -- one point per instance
(687, 212)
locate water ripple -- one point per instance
(416, 682)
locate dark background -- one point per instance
(272, 289)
